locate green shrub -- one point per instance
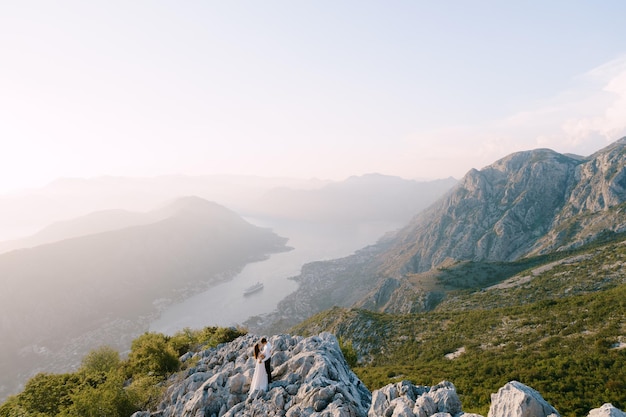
(145, 391)
(349, 352)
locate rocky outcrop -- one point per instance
(407, 400)
(312, 379)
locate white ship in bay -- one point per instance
(256, 287)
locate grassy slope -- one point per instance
(555, 327)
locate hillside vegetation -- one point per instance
(105, 385)
(558, 326)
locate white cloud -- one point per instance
(583, 119)
(607, 120)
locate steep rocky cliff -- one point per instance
(528, 202)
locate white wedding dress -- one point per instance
(259, 379)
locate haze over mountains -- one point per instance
(26, 212)
(100, 277)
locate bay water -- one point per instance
(225, 304)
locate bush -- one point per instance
(145, 391)
(349, 352)
(213, 336)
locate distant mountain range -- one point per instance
(372, 197)
(61, 299)
(92, 223)
(25, 212)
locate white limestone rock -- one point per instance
(445, 398)
(518, 400)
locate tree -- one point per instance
(151, 353)
(101, 360)
(108, 399)
(48, 393)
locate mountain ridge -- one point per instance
(501, 212)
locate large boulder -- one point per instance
(518, 400)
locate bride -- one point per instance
(259, 380)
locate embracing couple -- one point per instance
(262, 373)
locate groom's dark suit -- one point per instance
(267, 353)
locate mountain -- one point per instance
(528, 203)
(64, 298)
(92, 223)
(366, 198)
(25, 212)
(371, 204)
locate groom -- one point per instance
(267, 353)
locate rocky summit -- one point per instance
(312, 379)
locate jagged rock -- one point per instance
(424, 406)
(407, 400)
(518, 400)
(310, 378)
(607, 410)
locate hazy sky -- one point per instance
(326, 89)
